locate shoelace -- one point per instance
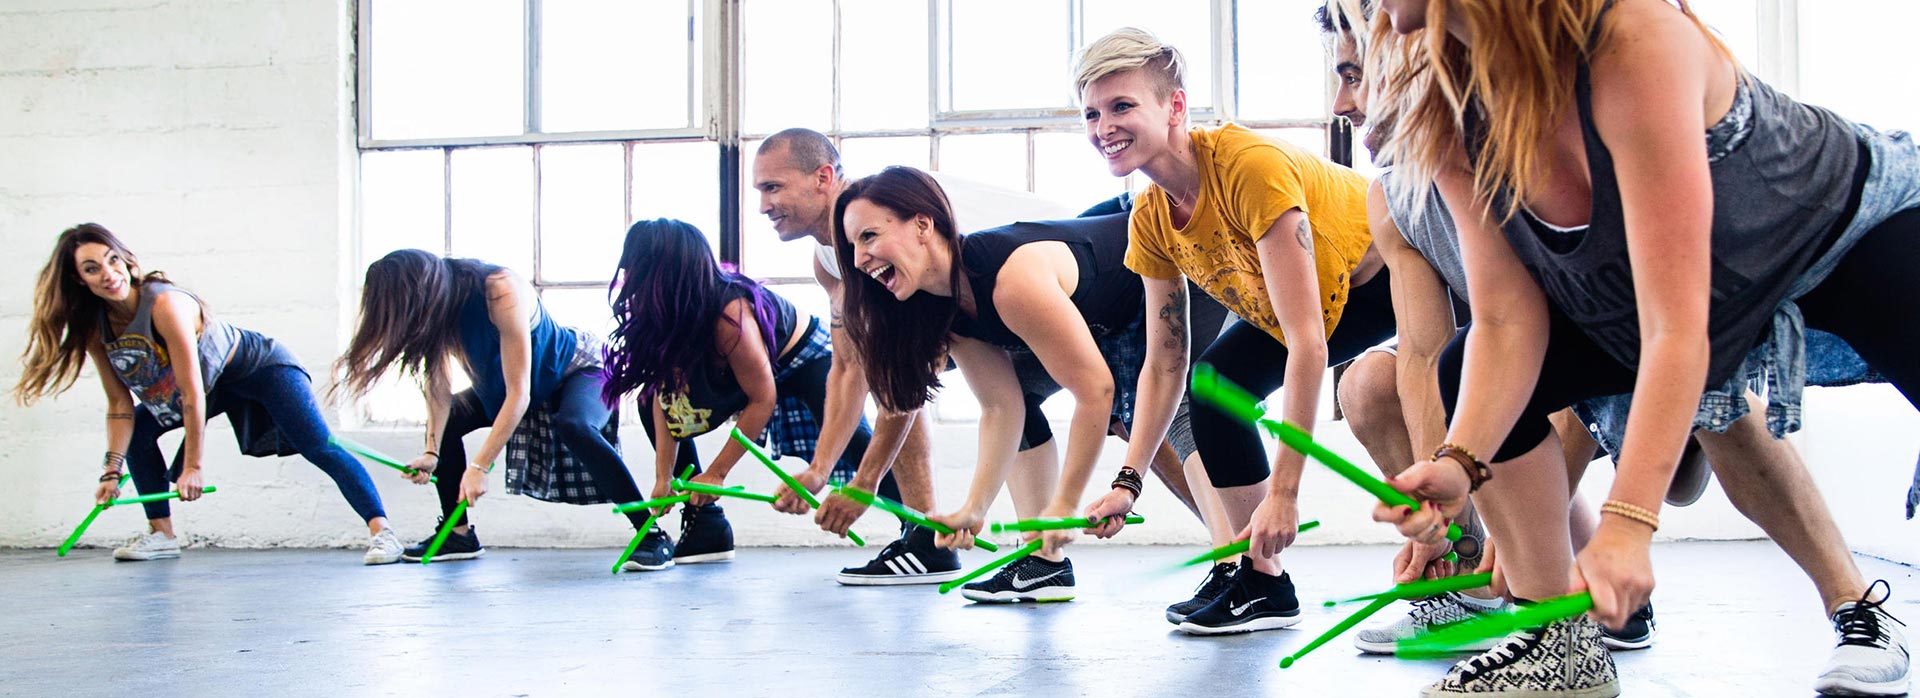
(1428, 608)
(1503, 654)
(1860, 624)
(1217, 580)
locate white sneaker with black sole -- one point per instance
(1428, 614)
(1871, 658)
(1565, 659)
(1029, 578)
(910, 559)
(1255, 601)
(152, 545)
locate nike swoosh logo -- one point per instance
(1020, 582)
(1237, 611)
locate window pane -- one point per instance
(448, 68)
(762, 253)
(883, 64)
(582, 211)
(584, 308)
(999, 159)
(608, 66)
(402, 202)
(1067, 169)
(864, 156)
(1283, 64)
(1182, 23)
(681, 181)
(1847, 66)
(1009, 54)
(788, 51)
(1314, 140)
(493, 206)
(808, 299)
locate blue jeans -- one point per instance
(287, 394)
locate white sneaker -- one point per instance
(384, 548)
(1871, 657)
(152, 545)
(1427, 614)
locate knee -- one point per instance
(573, 428)
(1370, 396)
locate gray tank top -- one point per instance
(139, 355)
(1429, 230)
(1784, 178)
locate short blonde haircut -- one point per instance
(1131, 48)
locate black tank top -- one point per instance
(1109, 296)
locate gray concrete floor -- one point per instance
(1736, 619)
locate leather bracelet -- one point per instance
(1630, 511)
(1477, 472)
(430, 452)
(1129, 480)
(110, 476)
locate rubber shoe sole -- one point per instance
(722, 556)
(450, 557)
(131, 556)
(1034, 595)
(1248, 626)
(1848, 686)
(631, 566)
(895, 580)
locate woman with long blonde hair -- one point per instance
(1637, 214)
(167, 363)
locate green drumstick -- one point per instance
(1426, 587)
(1208, 385)
(907, 514)
(375, 456)
(446, 529)
(84, 523)
(649, 504)
(1236, 548)
(1024, 550)
(1055, 524)
(1445, 640)
(791, 483)
(1336, 630)
(680, 485)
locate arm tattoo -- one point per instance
(119, 415)
(1174, 314)
(1304, 233)
(834, 322)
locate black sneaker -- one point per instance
(654, 554)
(1254, 601)
(910, 559)
(705, 535)
(1217, 580)
(1637, 634)
(458, 546)
(1029, 578)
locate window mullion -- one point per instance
(530, 85)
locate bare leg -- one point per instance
(161, 525)
(913, 468)
(1036, 473)
(1533, 540)
(1579, 449)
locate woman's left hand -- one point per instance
(473, 485)
(189, 483)
(965, 525)
(1059, 539)
(1617, 570)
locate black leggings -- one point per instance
(809, 383)
(1871, 300)
(578, 416)
(1250, 357)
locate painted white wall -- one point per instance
(217, 137)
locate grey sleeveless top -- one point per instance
(1784, 179)
(1429, 230)
(139, 355)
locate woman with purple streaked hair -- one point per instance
(702, 344)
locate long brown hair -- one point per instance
(1515, 79)
(410, 316)
(66, 314)
(903, 344)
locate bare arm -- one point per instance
(1034, 305)
(1293, 286)
(120, 407)
(846, 396)
(176, 316)
(1424, 314)
(737, 337)
(510, 305)
(989, 371)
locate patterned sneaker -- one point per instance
(654, 554)
(1427, 614)
(1565, 659)
(1029, 578)
(152, 545)
(910, 559)
(705, 535)
(1217, 581)
(383, 549)
(1637, 634)
(1871, 658)
(458, 546)
(1254, 601)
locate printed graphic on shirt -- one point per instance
(684, 421)
(145, 369)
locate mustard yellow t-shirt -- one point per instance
(1246, 182)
